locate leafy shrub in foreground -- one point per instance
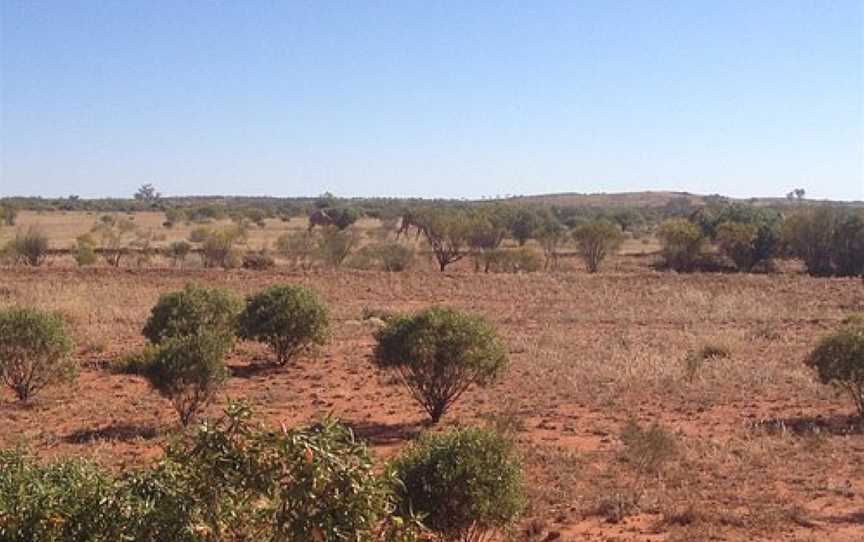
(466, 484)
(34, 351)
(192, 310)
(838, 360)
(438, 354)
(287, 318)
(681, 242)
(228, 481)
(187, 370)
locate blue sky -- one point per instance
(460, 99)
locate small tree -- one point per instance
(115, 237)
(147, 192)
(438, 354)
(34, 351)
(596, 240)
(466, 484)
(31, 247)
(681, 242)
(839, 360)
(287, 318)
(551, 235)
(447, 232)
(192, 311)
(188, 370)
(523, 225)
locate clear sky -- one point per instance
(430, 98)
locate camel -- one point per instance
(321, 218)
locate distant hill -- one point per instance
(655, 199)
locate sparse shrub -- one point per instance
(287, 318)
(438, 354)
(298, 248)
(34, 351)
(178, 251)
(30, 247)
(466, 484)
(838, 360)
(395, 257)
(551, 235)
(115, 237)
(681, 242)
(596, 240)
(85, 253)
(335, 245)
(219, 249)
(8, 214)
(191, 311)
(188, 370)
(199, 235)
(695, 359)
(518, 260)
(523, 224)
(259, 260)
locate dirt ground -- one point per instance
(762, 451)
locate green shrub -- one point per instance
(287, 318)
(193, 310)
(30, 247)
(344, 217)
(85, 252)
(65, 501)
(838, 360)
(438, 354)
(596, 240)
(199, 235)
(34, 351)
(178, 251)
(219, 249)
(830, 241)
(518, 260)
(187, 370)
(747, 235)
(681, 242)
(466, 484)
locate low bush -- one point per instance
(219, 249)
(438, 354)
(258, 260)
(386, 256)
(30, 247)
(681, 243)
(838, 360)
(85, 252)
(466, 484)
(187, 370)
(34, 351)
(287, 318)
(193, 310)
(298, 248)
(230, 480)
(518, 260)
(335, 245)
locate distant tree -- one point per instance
(147, 192)
(524, 224)
(551, 235)
(447, 232)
